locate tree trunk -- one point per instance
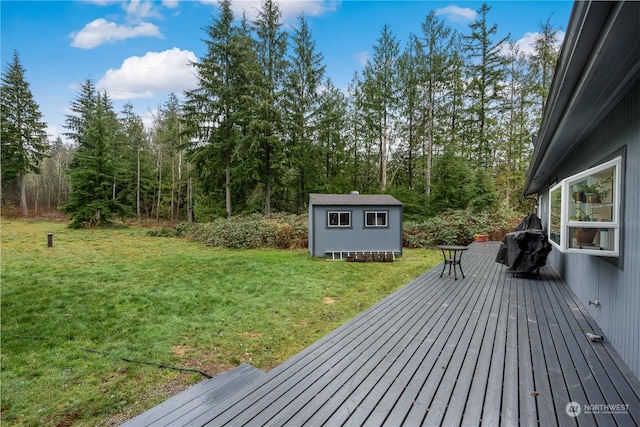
(138, 185)
(179, 185)
(383, 155)
(23, 195)
(227, 181)
(189, 196)
(267, 187)
(159, 184)
(429, 153)
(173, 186)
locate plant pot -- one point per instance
(585, 236)
(593, 198)
(481, 237)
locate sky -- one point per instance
(139, 51)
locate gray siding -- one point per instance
(357, 237)
(615, 283)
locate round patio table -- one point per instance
(452, 255)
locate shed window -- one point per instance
(339, 219)
(584, 214)
(376, 219)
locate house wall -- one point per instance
(613, 282)
(357, 237)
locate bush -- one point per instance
(281, 231)
(458, 227)
(286, 231)
(163, 232)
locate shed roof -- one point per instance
(598, 65)
(354, 199)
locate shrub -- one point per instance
(287, 231)
(458, 227)
(281, 231)
(163, 232)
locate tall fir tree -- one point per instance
(93, 200)
(381, 86)
(302, 102)
(23, 135)
(267, 125)
(543, 61)
(217, 112)
(486, 75)
(436, 75)
(139, 183)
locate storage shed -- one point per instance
(343, 224)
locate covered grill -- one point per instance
(525, 250)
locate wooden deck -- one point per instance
(490, 349)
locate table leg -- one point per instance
(460, 264)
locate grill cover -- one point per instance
(525, 250)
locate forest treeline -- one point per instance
(446, 120)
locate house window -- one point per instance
(375, 219)
(339, 219)
(584, 211)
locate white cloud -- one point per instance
(526, 44)
(152, 74)
(289, 8)
(101, 31)
(361, 57)
(138, 10)
(457, 14)
(171, 4)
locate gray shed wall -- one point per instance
(613, 282)
(357, 237)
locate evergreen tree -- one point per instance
(543, 61)
(332, 140)
(302, 103)
(485, 87)
(412, 110)
(218, 111)
(139, 182)
(381, 96)
(437, 78)
(82, 107)
(169, 153)
(267, 126)
(93, 176)
(23, 136)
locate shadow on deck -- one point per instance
(489, 349)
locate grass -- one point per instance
(121, 293)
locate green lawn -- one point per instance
(161, 300)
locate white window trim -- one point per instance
(376, 225)
(329, 225)
(566, 224)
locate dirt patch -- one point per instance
(253, 335)
(179, 383)
(329, 301)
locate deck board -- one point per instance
(490, 349)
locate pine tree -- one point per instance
(82, 107)
(437, 78)
(302, 102)
(485, 87)
(543, 61)
(217, 113)
(93, 176)
(267, 126)
(23, 135)
(382, 93)
(136, 157)
(331, 137)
